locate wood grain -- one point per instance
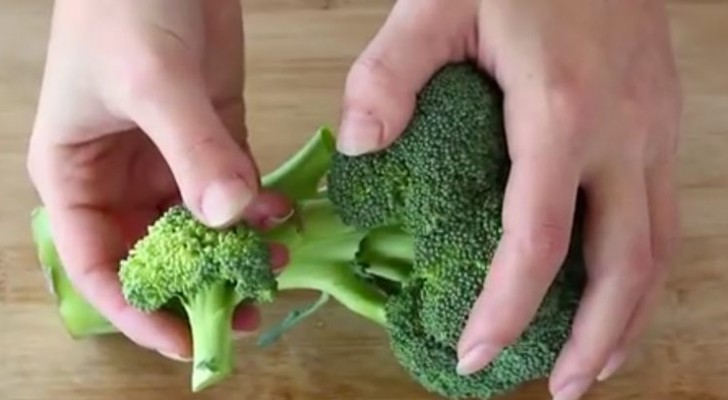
(298, 53)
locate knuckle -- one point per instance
(568, 99)
(546, 241)
(206, 149)
(370, 69)
(642, 270)
(31, 167)
(142, 76)
(568, 108)
(35, 164)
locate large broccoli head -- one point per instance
(444, 181)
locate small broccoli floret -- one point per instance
(373, 190)
(209, 272)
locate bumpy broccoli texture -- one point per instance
(402, 237)
(443, 182)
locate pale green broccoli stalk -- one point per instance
(79, 318)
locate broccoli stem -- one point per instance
(300, 176)
(78, 316)
(388, 252)
(210, 314)
(322, 250)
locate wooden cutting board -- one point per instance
(298, 54)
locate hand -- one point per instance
(592, 101)
(141, 108)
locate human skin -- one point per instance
(592, 101)
(141, 107)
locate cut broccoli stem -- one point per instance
(387, 252)
(321, 247)
(78, 316)
(321, 252)
(300, 176)
(210, 314)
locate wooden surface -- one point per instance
(298, 54)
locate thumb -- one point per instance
(417, 39)
(215, 174)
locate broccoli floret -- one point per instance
(209, 272)
(451, 153)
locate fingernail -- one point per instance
(173, 356)
(275, 221)
(238, 335)
(476, 358)
(614, 363)
(359, 133)
(223, 202)
(573, 390)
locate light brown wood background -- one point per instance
(298, 55)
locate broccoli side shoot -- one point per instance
(209, 272)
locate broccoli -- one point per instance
(208, 272)
(402, 237)
(443, 182)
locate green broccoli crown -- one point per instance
(180, 257)
(450, 154)
(443, 182)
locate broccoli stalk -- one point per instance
(209, 319)
(79, 318)
(321, 255)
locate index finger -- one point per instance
(538, 210)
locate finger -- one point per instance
(268, 209)
(246, 320)
(664, 231)
(619, 260)
(278, 257)
(90, 246)
(216, 176)
(417, 39)
(538, 211)
(634, 330)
